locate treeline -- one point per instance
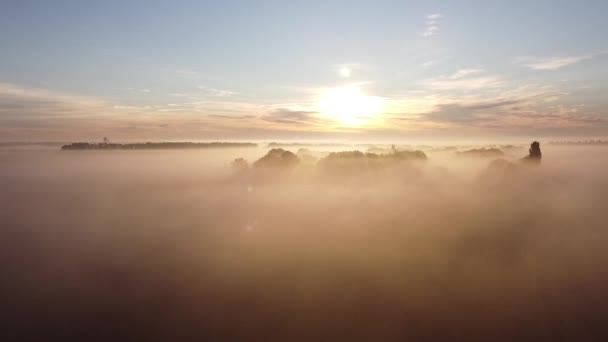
(348, 164)
(581, 142)
(27, 143)
(482, 152)
(153, 146)
(297, 144)
(278, 158)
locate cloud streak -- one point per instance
(550, 63)
(217, 92)
(431, 25)
(19, 102)
(464, 79)
(527, 110)
(288, 116)
(464, 99)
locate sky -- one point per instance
(319, 70)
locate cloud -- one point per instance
(217, 92)
(464, 98)
(235, 117)
(288, 116)
(21, 102)
(34, 113)
(463, 73)
(144, 90)
(430, 31)
(455, 113)
(521, 111)
(431, 24)
(550, 63)
(461, 80)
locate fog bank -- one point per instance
(178, 245)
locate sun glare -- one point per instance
(349, 105)
(345, 72)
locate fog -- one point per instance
(181, 245)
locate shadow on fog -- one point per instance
(305, 246)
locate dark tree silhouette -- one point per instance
(149, 145)
(481, 152)
(535, 150)
(534, 153)
(277, 158)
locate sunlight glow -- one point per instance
(345, 72)
(349, 105)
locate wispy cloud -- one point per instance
(27, 113)
(463, 73)
(144, 90)
(508, 109)
(525, 109)
(467, 98)
(20, 102)
(288, 116)
(217, 92)
(234, 117)
(431, 24)
(464, 79)
(550, 63)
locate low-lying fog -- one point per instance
(175, 245)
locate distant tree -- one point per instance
(482, 152)
(240, 166)
(534, 155)
(277, 158)
(535, 150)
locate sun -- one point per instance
(345, 72)
(349, 105)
